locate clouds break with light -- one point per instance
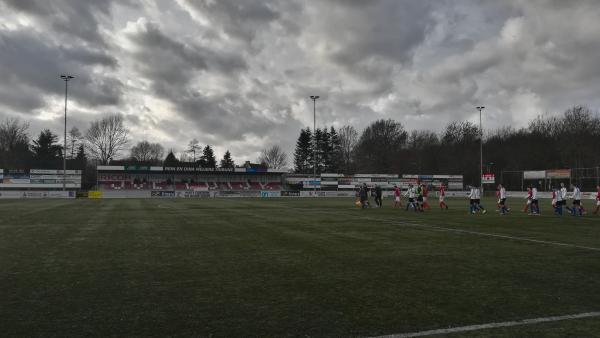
(238, 74)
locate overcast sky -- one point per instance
(237, 74)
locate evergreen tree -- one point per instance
(325, 151)
(227, 162)
(46, 150)
(207, 160)
(335, 151)
(303, 152)
(171, 160)
(80, 158)
(318, 152)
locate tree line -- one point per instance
(385, 146)
(105, 141)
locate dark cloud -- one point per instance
(238, 74)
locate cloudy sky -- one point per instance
(237, 74)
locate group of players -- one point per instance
(418, 199)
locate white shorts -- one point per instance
(442, 198)
(424, 199)
(397, 199)
(554, 201)
(598, 203)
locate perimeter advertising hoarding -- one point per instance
(36, 194)
(534, 174)
(269, 194)
(559, 173)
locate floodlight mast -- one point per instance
(480, 108)
(65, 78)
(314, 98)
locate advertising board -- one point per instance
(269, 194)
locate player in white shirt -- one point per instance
(411, 193)
(502, 199)
(535, 205)
(576, 196)
(475, 200)
(559, 202)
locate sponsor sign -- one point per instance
(196, 194)
(269, 194)
(37, 194)
(290, 193)
(559, 173)
(137, 168)
(534, 175)
(94, 194)
(162, 193)
(488, 179)
(332, 175)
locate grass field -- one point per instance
(289, 267)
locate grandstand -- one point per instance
(188, 178)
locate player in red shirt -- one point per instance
(597, 200)
(425, 193)
(529, 196)
(397, 194)
(443, 204)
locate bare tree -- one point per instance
(106, 138)
(348, 138)
(12, 134)
(145, 151)
(193, 147)
(74, 138)
(273, 157)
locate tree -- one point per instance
(348, 138)
(208, 158)
(303, 152)
(273, 157)
(145, 151)
(379, 147)
(324, 151)
(335, 151)
(227, 162)
(73, 140)
(193, 147)
(106, 138)
(46, 150)
(171, 160)
(14, 144)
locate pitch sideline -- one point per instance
(492, 325)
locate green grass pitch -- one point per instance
(289, 267)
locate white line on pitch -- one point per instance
(492, 325)
(471, 232)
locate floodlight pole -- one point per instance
(480, 108)
(65, 78)
(314, 98)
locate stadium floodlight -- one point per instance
(480, 108)
(314, 98)
(65, 78)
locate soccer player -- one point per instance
(364, 196)
(535, 206)
(528, 203)
(475, 199)
(397, 193)
(378, 195)
(502, 199)
(425, 194)
(420, 196)
(559, 201)
(597, 200)
(443, 204)
(576, 196)
(412, 194)
(563, 196)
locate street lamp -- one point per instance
(314, 98)
(65, 78)
(480, 108)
